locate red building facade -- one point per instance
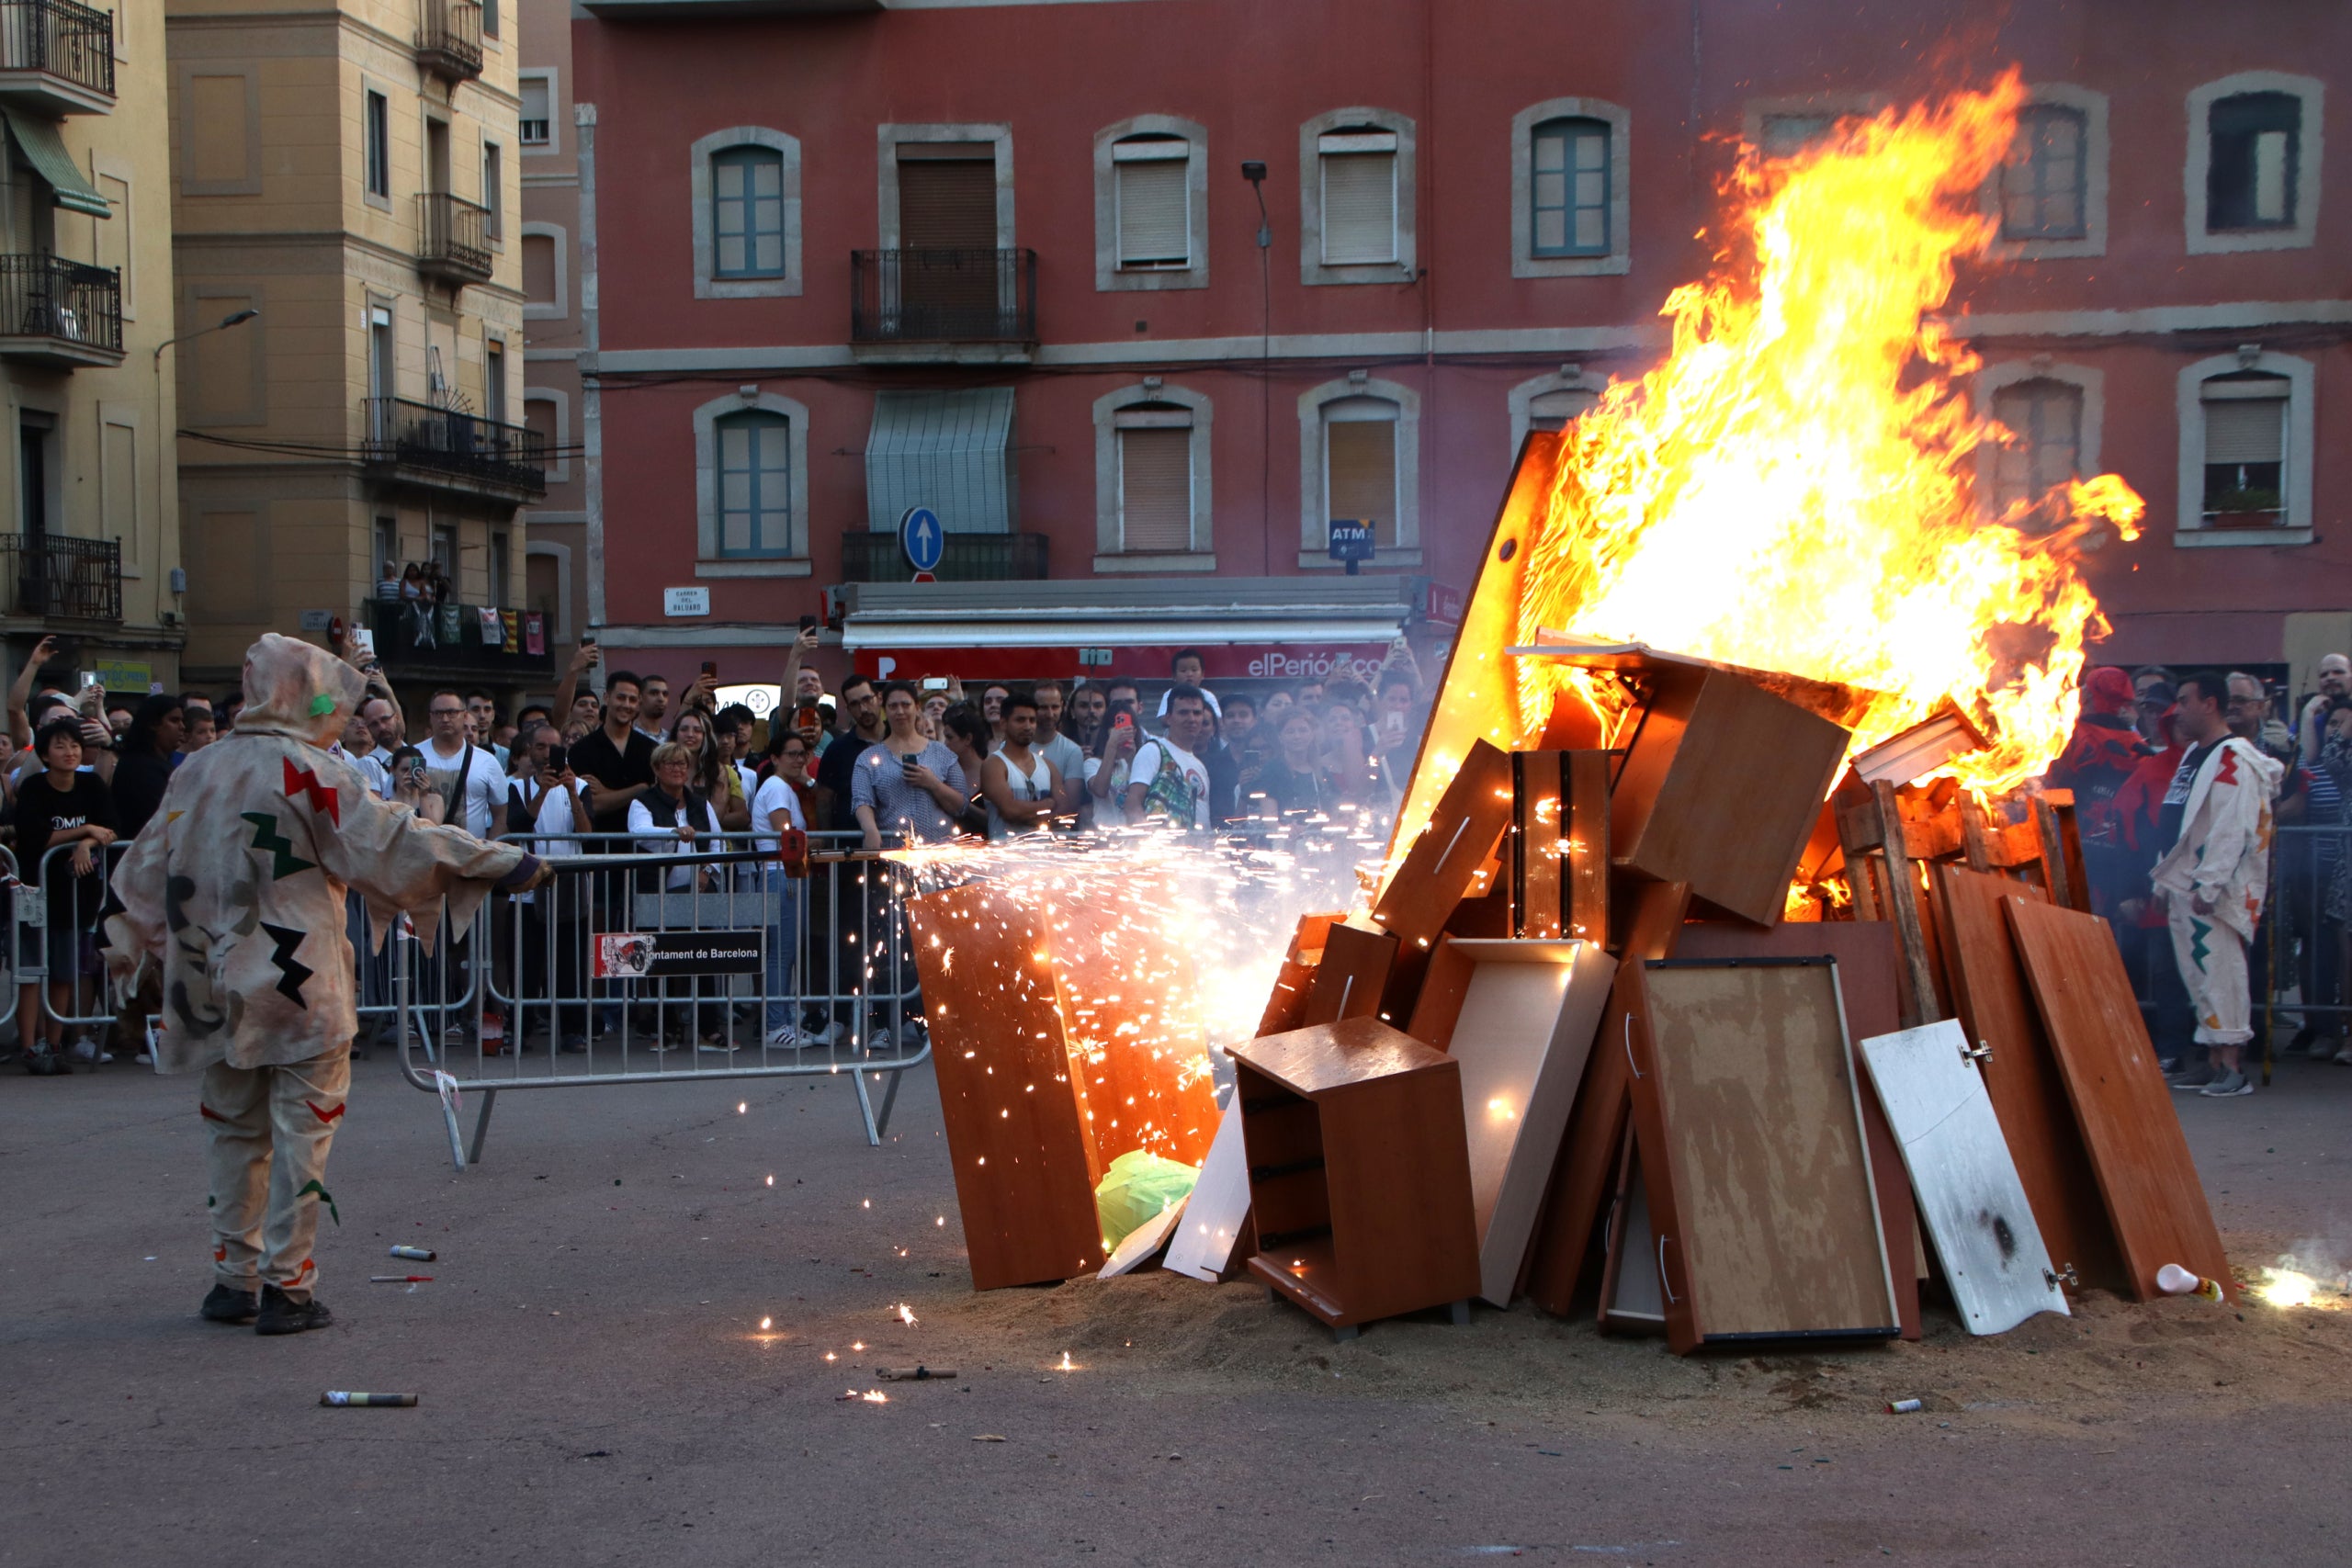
(1003, 262)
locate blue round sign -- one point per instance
(922, 538)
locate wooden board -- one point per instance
(1632, 1300)
(1974, 1205)
(1217, 1216)
(1023, 1182)
(1525, 1028)
(1438, 1006)
(1558, 845)
(2137, 1150)
(2022, 1076)
(1581, 1177)
(1462, 833)
(1348, 981)
(1867, 984)
(1757, 1171)
(1287, 1002)
(1720, 789)
(1131, 1014)
(1141, 1244)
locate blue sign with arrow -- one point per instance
(921, 537)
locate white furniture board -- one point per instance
(1971, 1201)
(1139, 1245)
(1637, 1304)
(1527, 1025)
(1203, 1245)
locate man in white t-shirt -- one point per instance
(465, 775)
(1168, 779)
(775, 808)
(389, 735)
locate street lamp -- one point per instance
(238, 319)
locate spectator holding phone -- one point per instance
(57, 806)
(1112, 759)
(412, 787)
(905, 784)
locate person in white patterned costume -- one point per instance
(237, 886)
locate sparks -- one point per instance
(1067, 1365)
(765, 1324)
(906, 1313)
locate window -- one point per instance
(1785, 135)
(535, 125)
(2045, 178)
(1554, 410)
(388, 545)
(493, 191)
(1155, 455)
(2250, 168)
(490, 18)
(1570, 193)
(754, 484)
(746, 191)
(1360, 465)
(539, 271)
(494, 379)
(1154, 218)
(378, 134)
(2246, 451)
(543, 416)
(1357, 171)
(2044, 419)
(747, 212)
(444, 549)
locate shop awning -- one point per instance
(949, 451)
(45, 151)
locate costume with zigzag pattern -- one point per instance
(237, 883)
(2222, 857)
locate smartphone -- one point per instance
(808, 623)
(89, 681)
(934, 683)
(710, 668)
(808, 716)
(909, 764)
(588, 638)
(558, 758)
(1123, 721)
(363, 642)
(417, 775)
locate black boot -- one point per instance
(281, 1313)
(226, 1303)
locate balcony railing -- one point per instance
(452, 449)
(448, 38)
(56, 577)
(943, 297)
(57, 56)
(414, 640)
(452, 237)
(60, 312)
(871, 557)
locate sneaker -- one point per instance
(2167, 1066)
(44, 1063)
(84, 1050)
(226, 1303)
(2324, 1047)
(281, 1313)
(785, 1037)
(2192, 1081)
(717, 1046)
(2229, 1086)
(2343, 1058)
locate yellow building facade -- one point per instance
(351, 174)
(85, 303)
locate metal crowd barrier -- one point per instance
(2302, 950)
(631, 967)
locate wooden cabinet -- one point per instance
(1359, 1171)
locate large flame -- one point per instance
(1792, 488)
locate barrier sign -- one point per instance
(653, 956)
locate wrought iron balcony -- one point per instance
(450, 450)
(453, 238)
(940, 300)
(59, 578)
(414, 640)
(55, 311)
(871, 557)
(448, 38)
(56, 57)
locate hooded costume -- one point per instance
(2221, 859)
(237, 885)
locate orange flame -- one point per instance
(1793, 489)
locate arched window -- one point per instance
(754, 473)
(747, 212)
(1569, 194)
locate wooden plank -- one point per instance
(1143, 1244)
(1462, 832)
(1013, 1139)
(1970, 1197)
(1910, 936)
(1537, 832)
(1525, 1028)
(2052, 844)
(1867, 985)
(2070, 848)
(1720, 789)
(1586, 1165)
(1288, 1000)
(1349, 980)
(2022, 1076)
(2137, 1150)
(1217, 1216)
(1131, 1014)
(1588, 857)
(1756, 1170)
(1438, 1006)
(1971, 835)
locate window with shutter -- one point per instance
(747, 212)
(1360, 465)
(2245, 450)
(1570, 188)
(534, 124)
(1359, 178)
(2042, 178)
(754, 484)
(1154, 220)
(2044, 419)
(1156, 486)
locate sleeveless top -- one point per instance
(1037, 783)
